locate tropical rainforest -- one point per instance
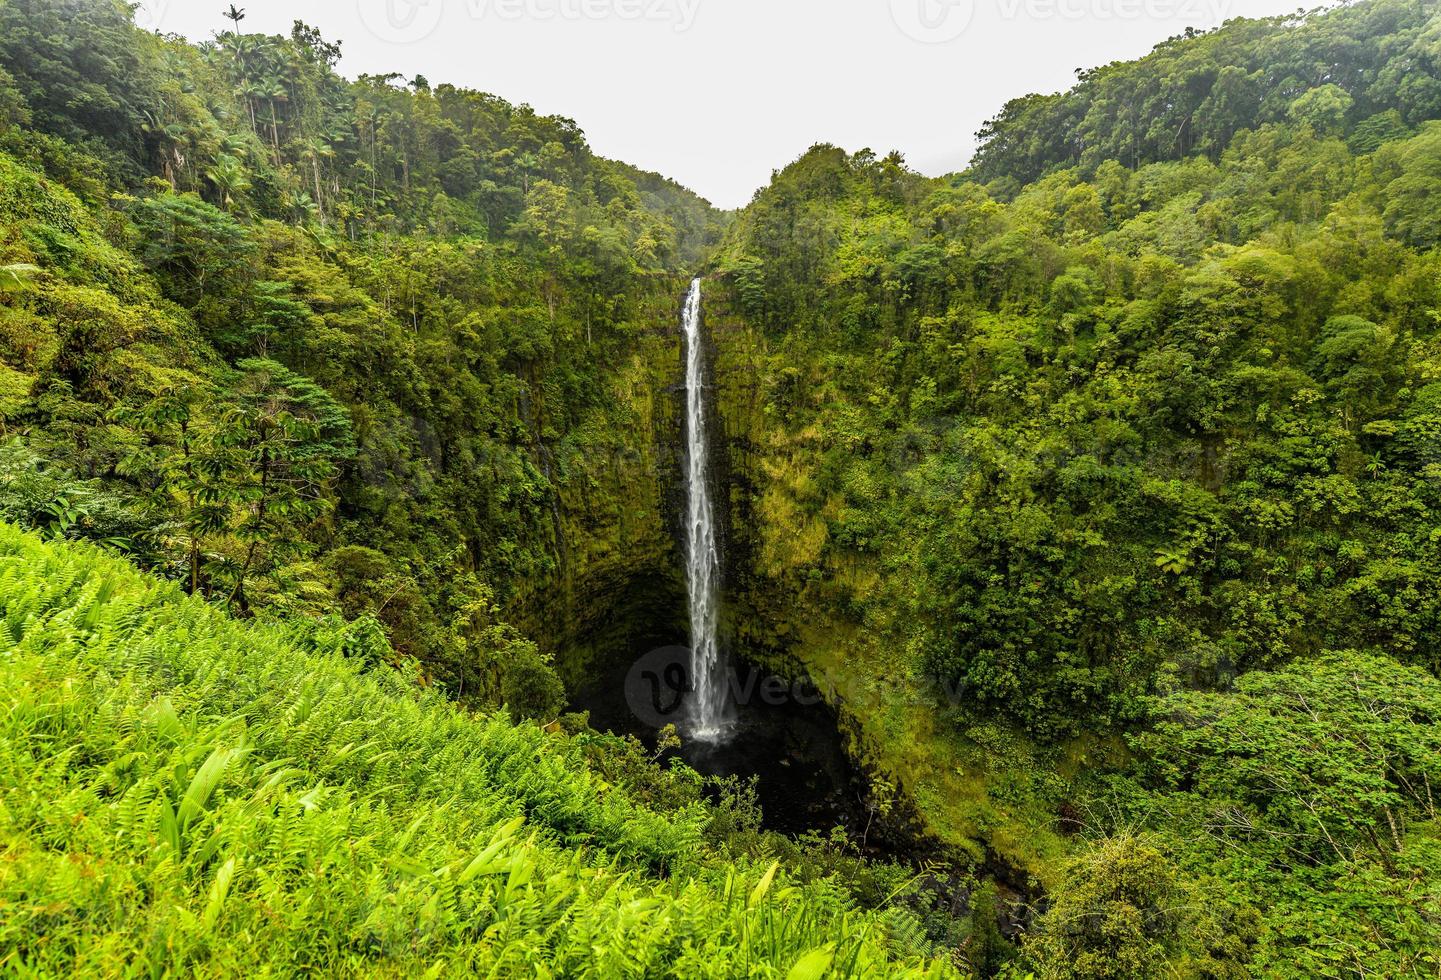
(1097, 489)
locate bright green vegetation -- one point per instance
(306, 344)
(375, 370)
(1100, 487)
(189, 795)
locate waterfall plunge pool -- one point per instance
(777, 732)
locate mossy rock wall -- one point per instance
(795, 604)
(617, 586)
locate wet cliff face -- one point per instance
(616, 585)
(617, 588)
(617, 593)
(793, 605)
(798, 602)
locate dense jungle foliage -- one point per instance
(305, 344)
(1178, 420)
(1099, 486)
(1113, 470)
(187, 795)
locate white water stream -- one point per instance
(709, 714)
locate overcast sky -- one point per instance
(718, 93)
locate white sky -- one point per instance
(718, 93)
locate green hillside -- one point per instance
(458, 307)
(1369, 69)
(1024, 474)
(188, 795)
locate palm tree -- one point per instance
(230, 180)
(313, 152)
(243, 51)
(528, 163)
(235, 146)
(304, 206)
(275, 92)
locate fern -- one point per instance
(188, 795)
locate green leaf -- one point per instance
(763, 886)
(203, 784)
(813, 965)
(219, 888)
(169, 827)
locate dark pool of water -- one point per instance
(781, 733)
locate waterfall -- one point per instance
(708, 713)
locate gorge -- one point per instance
(429, 547)
(734, 718)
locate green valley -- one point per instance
(345, 491)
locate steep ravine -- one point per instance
(617, 595)
(618, 591)
(795, 607)
(617, 584)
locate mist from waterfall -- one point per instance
(709, 711)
